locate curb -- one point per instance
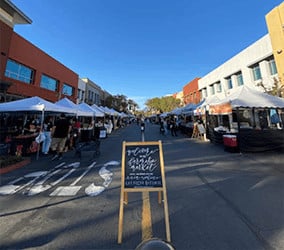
(15, 166)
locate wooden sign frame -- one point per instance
(143, 160)
(198, 131)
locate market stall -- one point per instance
(254, 117)
(34, 107)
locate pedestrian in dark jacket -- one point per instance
(60, 133)
(173, 127)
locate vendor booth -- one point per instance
(248, 119)
(14, 116)
(186, 125)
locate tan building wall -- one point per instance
(275, 25)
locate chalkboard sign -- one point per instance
(142, 166)
(201, 129)
(142, 170)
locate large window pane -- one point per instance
(67, 90)
(48, 83)
(19, 72)
(212, 89)
(229, 83)
(256, 73)
(218, 87)
(240, 79)
(272, 67)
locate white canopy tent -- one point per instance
(177, 111)
(85, 107)
(33, 104)
(113, 112)
(123, 115)
(188, 109)
(105, 110)
(246, 97)
(109, 111)
(65, 102)
(201, 107)
(95, 107)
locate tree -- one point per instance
(121, 103)
(276, 90)
(161, 105)
(132, 105)
(109, 101)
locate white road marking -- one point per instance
(37, 186)
(66, 191)
(11, 188)
(106, 175)
(72, 189)
(92, 189)
(112, 163)
(40, 187)
(82, 175)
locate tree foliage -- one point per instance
(121, 103)
(163, 104)
(276, 90)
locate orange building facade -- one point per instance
(275, 25)
(27, 71)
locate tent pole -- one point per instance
(40, 131)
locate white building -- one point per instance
(81, 91)
(252, 66)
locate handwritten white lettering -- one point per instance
(141, 151)
(142, 164)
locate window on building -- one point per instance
(212, 89)
(90, 96)
(240, 80)
(256, 72)
(204, 93)
(82, 95)
(19, 72)
(97, 98)
(67, 89)
(50, 83)
(229, 83)
(272, 66)
(218, 87)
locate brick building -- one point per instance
(191, 93)
(26, 70)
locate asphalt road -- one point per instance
(216, 199)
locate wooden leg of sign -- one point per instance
(125, 198)
(159, 197)
(167, 216)
(146, 217)
(120, 222)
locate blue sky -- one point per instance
(143, 48)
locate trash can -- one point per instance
(230, 143)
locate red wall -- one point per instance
(6, 33)
(29, 55)
(191, 93)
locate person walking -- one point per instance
(60, 133)
(163, 127)
(47, 127)
(173, 127)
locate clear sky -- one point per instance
(143, 48)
